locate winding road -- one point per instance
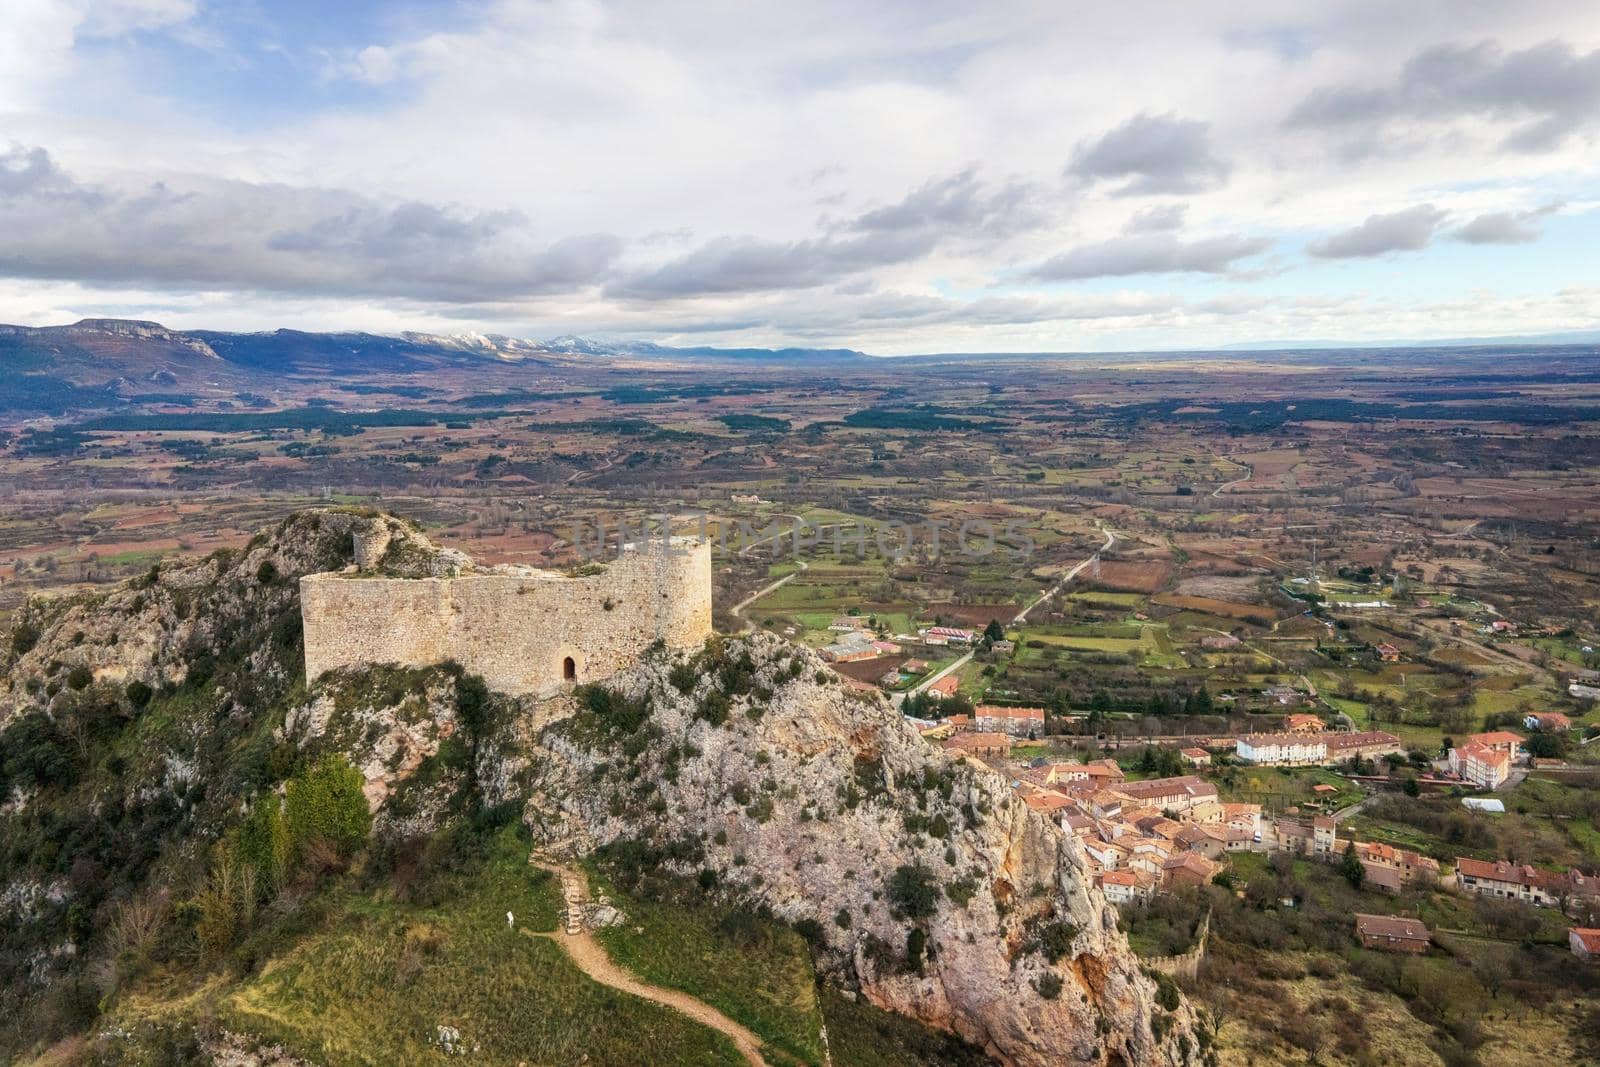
(1249, 472)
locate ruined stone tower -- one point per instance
(526, 631)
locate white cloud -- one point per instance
(1150, 253)
(1154, 154)
(772, 171)
(1398, 231)
(1505, 227)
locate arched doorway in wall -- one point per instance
(569, 670)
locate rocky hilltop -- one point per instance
(243, 604)
(924, 880)
(144, 731)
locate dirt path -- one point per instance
(580, 476)
(593, 960)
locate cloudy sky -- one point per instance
(917, 176)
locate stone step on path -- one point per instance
(572, 893)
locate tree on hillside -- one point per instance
(1546, 744)
(1350, 866)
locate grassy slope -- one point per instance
(759, 974)
(375, 982)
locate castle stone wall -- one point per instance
(515, 629)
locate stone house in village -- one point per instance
(1392, 933)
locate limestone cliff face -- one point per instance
(755, 763)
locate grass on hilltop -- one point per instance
(375, 981)
(756, 971)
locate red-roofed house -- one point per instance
(1243, 816)
(1411, 866)
(1483, 766)
(944, 687)
(1585, 943)
(1104, 771)
(1048, 802)
(1319, 837)
(1511, 881)
(1392, 933)
(1196, 757)
(1303, 724)
(1547, 721)
(977, 744)
(1377, 877)
(1123, 887)
(1190, 868)
(1178, 794)
(1498, 740)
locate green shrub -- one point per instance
(23, 637)
(472, 705)
(761, 810)
(812, 931)
(714, 707)
(1167, 995)
(325, 803)
(139, 694)
(615, 714)
(913, 892)
(961, 890)
(683, 677)
(1049, 985)
(264, 844)
(1054, 940)
(80, 677)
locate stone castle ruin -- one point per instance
(528, 632)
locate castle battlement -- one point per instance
(526, 631)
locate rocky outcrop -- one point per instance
(154, 630)
(924, 881)
(137, 330)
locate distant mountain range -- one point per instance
(96, 364)
(284, 349)
(99, 363)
